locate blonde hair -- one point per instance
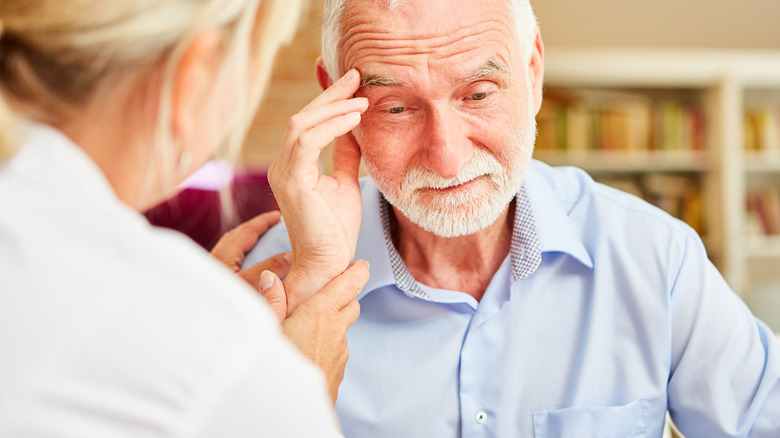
(7, 130)
(54, 55)
(332, 28)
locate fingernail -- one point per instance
(350, 75)
(353, 117)
(287, 256)
(266, 280)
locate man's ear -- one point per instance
(193, 81)
(536, 69)
(323, 78)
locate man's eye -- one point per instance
(396, 110)
(479, 96)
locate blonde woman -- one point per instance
(109, 327)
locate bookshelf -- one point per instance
(646, 141)
(761, 138)
(656, 120)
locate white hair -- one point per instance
(332, 31)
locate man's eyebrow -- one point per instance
(494, 65)
(369, 80)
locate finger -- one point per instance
(261, 223)
(227, 256)
(272, 290)
(311, 143)
(245, 236)
(278, 264)
(346, 159)
(344, 88)
(308, 119)
(343, 290)
(350, 313)
(232, 246)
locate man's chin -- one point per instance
(454, 221)
(455, 211)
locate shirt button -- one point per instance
(481, 417)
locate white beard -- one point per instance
(464, 211)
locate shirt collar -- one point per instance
(541, 225)
(556, 231)
(371, 242)
(524, 252)
(387, 266)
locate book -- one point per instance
(763, 211)
(626, 121)
(762, 130)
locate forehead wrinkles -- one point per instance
(366, 41)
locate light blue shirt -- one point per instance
(605, 314)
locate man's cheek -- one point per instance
(395, 142)
(365, 141)
(372, 137)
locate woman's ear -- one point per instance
(323, 78)
(193, 82)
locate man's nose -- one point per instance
(447, 147)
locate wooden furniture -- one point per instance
(724, 83)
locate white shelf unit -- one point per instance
(722, 79)
(629, 161)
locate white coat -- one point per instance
(112, 328)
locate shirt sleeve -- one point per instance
(725, 370)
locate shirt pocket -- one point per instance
(627, 421)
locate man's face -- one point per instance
(450, 127)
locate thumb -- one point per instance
(272, 290)
(278, 264)
(346, 158)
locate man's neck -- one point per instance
(465, 264)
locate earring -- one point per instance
(185, 159)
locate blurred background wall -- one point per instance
(719, 24)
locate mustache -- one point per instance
(481, 164)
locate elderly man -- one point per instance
(507, 298)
